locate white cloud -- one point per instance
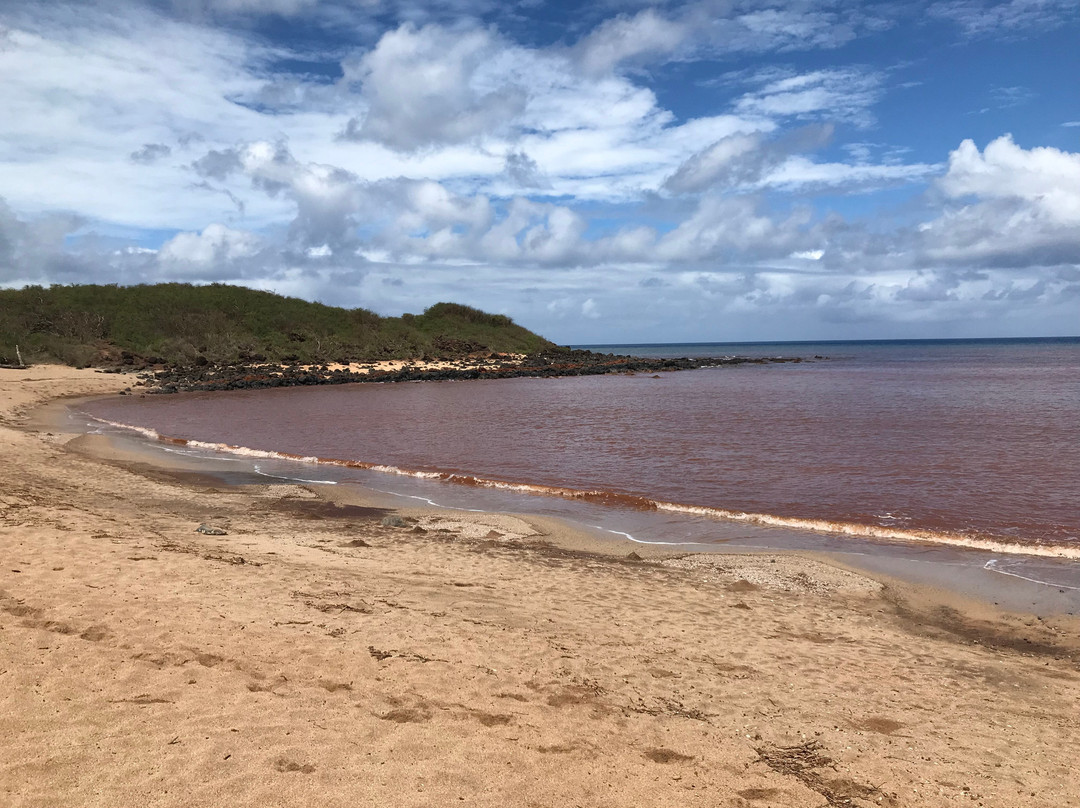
(1047, 178)
(730, 160)
(735, 228)
(624, 38)
(83, 103)
(839, 94)
(747, 162)
(327, 198)
(32, 250)
(283, 7)
(710, 29)
(151, 153)
(1009, 18)
(432, 86)
(214, 246)
(799, 172)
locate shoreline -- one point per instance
(973, 568)
(310, 654)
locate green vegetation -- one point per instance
(183, 324)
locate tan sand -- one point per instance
(313, 656)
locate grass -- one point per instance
(182, 324)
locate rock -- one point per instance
(393, 521)
(633, 556)
(210, 530)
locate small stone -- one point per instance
(210, 530)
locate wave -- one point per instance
(636, 502)
(1001, 566)
(291, 479)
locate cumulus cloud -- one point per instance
(326, 198)
(524, 172)
(735, 227)
(431, 86)
(214, 246)
(32, 249)
(1018, 208)
(1044, 176)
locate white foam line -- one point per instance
(989, 566)
(430, 502)
(658, 543)
(617, 533)
(200, 455)
(293, 479)
(797, 523)
(871, 531)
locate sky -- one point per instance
(712, 170)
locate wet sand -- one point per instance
(312, 655)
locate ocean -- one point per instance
(950, 443)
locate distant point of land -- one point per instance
(219, 337)
(181, 324)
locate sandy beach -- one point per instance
(313, 649)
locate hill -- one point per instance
(180, 324)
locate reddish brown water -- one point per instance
(967, 443)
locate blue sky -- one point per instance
(628, 171)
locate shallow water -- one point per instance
(974, 443)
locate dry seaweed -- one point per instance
(805, 762)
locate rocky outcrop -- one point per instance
(244, 376)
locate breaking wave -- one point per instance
(636, 502)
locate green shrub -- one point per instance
(179, 323)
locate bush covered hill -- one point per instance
(173, 323)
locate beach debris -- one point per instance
(381, 655)
(393, 521)
(285, 765)
(228, 558)
(662, 755)
(210, 530)
(806, 761)
(796, 760)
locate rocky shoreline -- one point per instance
(249, 376)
